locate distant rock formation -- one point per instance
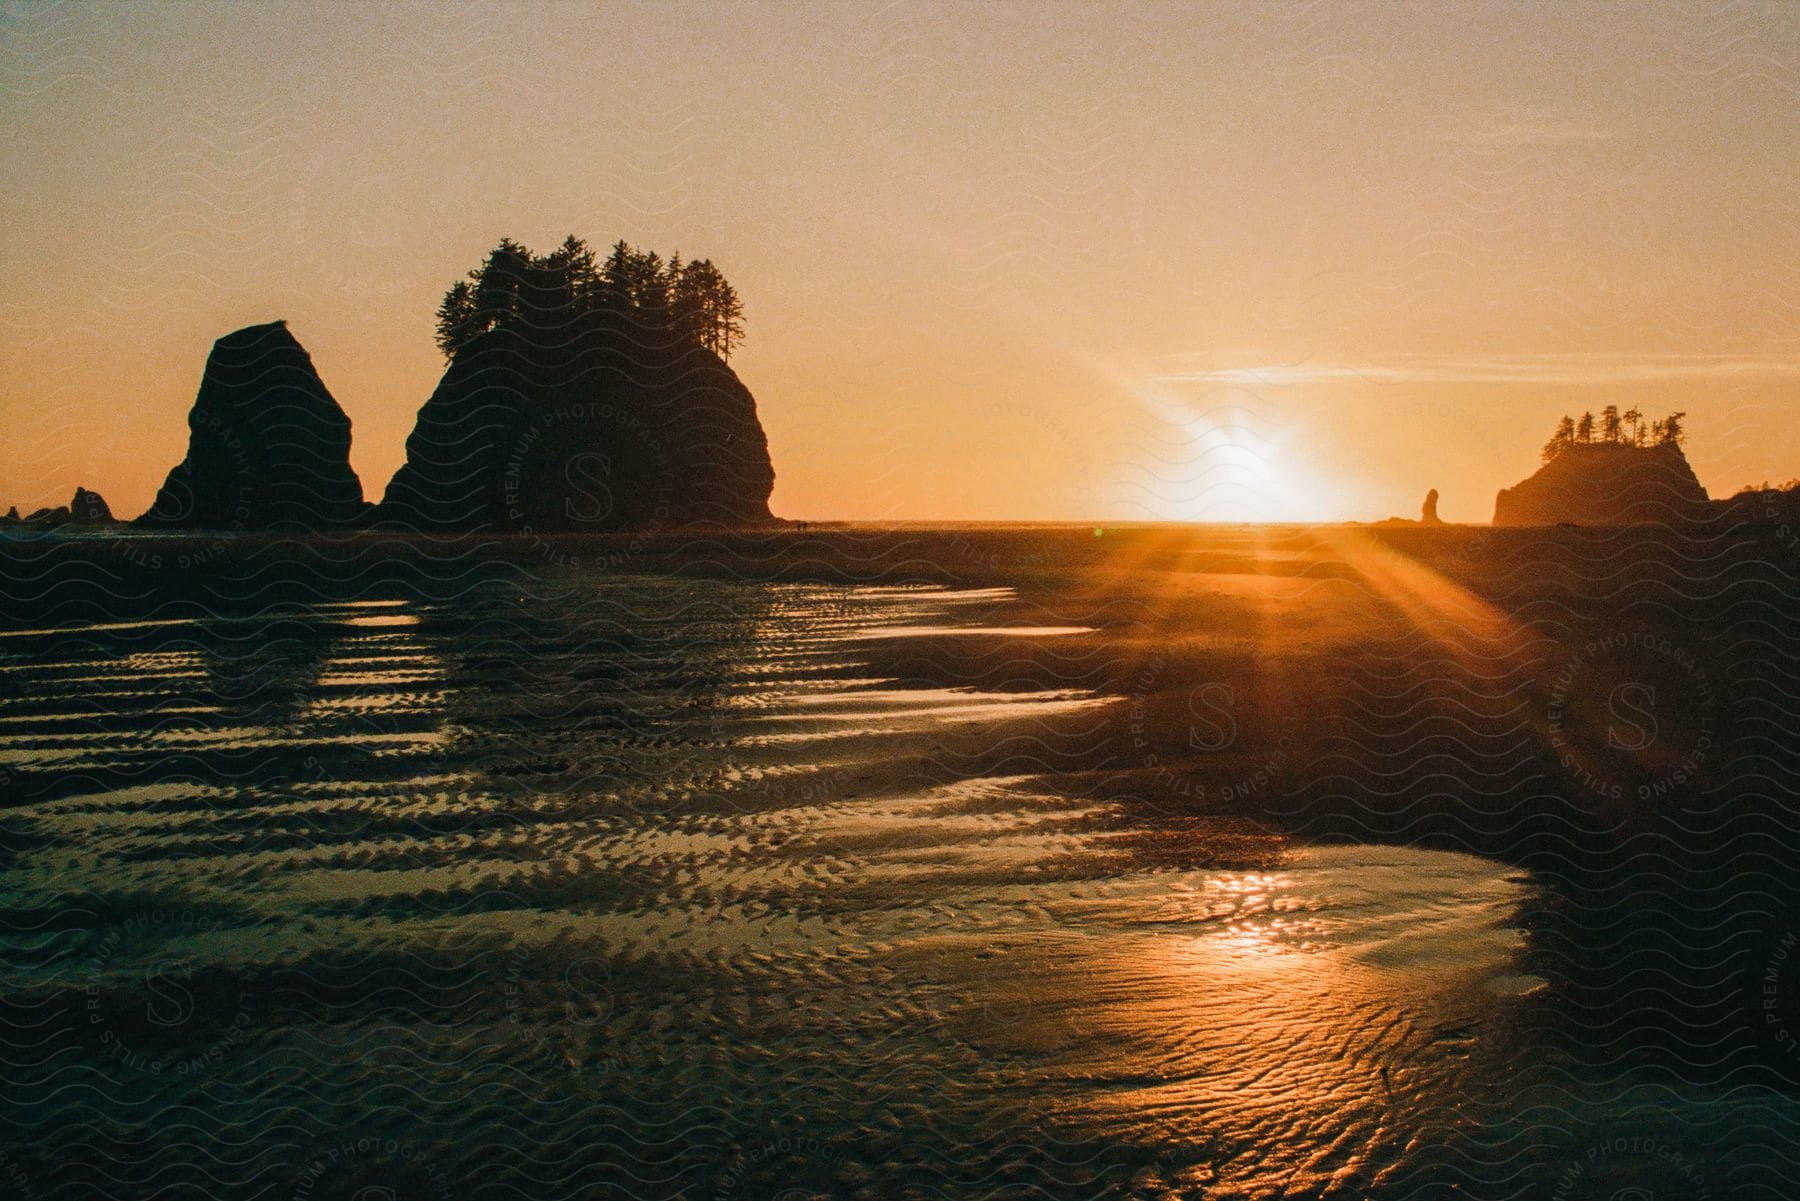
(1764, 505)
(84, 509)
(268, 449)
(596, 425)
(1607, 483)
(89, 508)
(1428, 510)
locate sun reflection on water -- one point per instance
(1304, 1023)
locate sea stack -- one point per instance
(1607, 483)
(594, 425)
(89, 508)
(85, 508)
(268, 446)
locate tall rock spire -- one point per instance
(268, 448)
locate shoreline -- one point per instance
(1479, 648)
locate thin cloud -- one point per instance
(1525, 133)
(1568, 370)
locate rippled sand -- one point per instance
(652, 886)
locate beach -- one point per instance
(902, 861)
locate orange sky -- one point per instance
(1219, 262)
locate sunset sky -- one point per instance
(1089, 261)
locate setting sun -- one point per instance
(1226, 463)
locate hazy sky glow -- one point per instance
(1215, 262)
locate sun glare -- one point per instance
(1230, 463)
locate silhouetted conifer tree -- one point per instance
(690, 301)
(1561, 440)
(1609, 423)
(1667, 432)
(456, 318)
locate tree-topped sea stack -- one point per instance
(268, 447)
(1613, 471)
(585, 396)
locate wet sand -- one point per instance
(1232, 862)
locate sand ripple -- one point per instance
(652, 887)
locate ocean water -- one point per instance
(634, 886)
